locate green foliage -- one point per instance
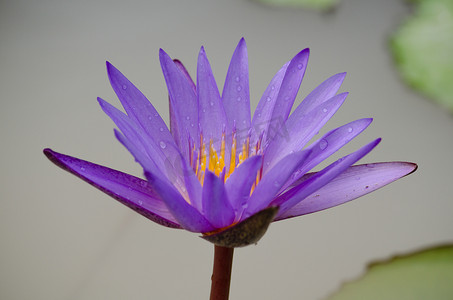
(423, 50)
(320, 5)
(423, 275)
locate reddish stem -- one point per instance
(221, 273)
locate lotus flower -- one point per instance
(222, 173)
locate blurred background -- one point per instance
(62, 239)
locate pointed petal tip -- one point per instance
(48, 152)
(412, 167)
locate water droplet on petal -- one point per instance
(323, 144)
(286, 98)
(140, 202)
(192, 125)
(204, 110)
(237, 79)
(124, 86)
(211, 103)
(239, 99)
(156, 114)
(150, 118)
(300, 66)
(82, 169)
(272, 87)
(161, 129)
(350, 129)
(163, 145)
(268, 99)
(143, 183)
(276, 183)
(324, 110)
(239, 88)
(187, 118)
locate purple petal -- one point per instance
(210, 111)
(186, 215)
(183, 102)
(216, 206)
(192, 184)
(174, 129)
(288, 90)
(236, 95)
(273, 181)
(355, 182)
(296, 133)
(131, 191)
(322, 93)
(140, 110)
(263, 113)
(320, 179)
(144, 150)
(239, 184)
(329, 144)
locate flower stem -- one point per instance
(221, 273)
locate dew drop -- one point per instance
(272, 87)
(259, 115)
(239, 88)
(239, 99)
(192, 125)
(150, 118)
(143, 183)
(82, 169)
(323, 144)
(124, 87)
(187, 118)
(324, 110)
(161, 129)
(237, 79)
(276, 183)
(243, 122)
(211, 103)
(300, 66)
(156, 114)
(140, 202)
(163, 145)
(350, 129)
(286, 98)
(204, 110)
(268, 99)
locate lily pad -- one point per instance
(427, 274)
(422, 49)
(320, 5)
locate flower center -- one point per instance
(206, 156)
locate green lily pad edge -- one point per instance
(426, 274)
(318, 5)
(422, 50)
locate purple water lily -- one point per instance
(218, 171)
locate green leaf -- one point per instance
(422, 49)
(427, 274)
(320, 5)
